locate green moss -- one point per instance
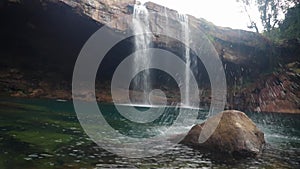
(297, 71)
(211, 38)
(294, 66)
(12, 161)
(44, 140)
(20, 106)
(60, 123)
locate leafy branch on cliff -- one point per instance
(290, 27)
(271, 12)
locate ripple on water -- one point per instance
(33, 155)
(282, 135)
(46, 155)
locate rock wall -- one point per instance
(243, 53)
(73, 22)
(41, 39)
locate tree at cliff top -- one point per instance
(290, 27)
(271, 12)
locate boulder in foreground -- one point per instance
(235, 134)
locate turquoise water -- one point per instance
(37, 133)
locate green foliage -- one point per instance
(269, 10)
(290, 27)
(274, 35)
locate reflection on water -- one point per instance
(47, 134)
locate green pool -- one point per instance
(43, 134)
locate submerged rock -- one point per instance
(235, 134)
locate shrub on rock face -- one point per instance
(235, 134)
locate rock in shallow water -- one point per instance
(234, 134)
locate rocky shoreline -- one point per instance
(277, 92)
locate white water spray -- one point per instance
(184, 20)
(142, 40)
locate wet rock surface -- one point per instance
(42, 39)
(274, 92)
(235, 135)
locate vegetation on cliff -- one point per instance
(41, 41)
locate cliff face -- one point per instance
(41, 39)
(244, 53)
(72, 21)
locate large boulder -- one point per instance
(234, 134)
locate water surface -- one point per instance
(37, 133)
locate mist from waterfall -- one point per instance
(142, 40)
(184, 20)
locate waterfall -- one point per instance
(142, 40)
(184, 20)
(166, 22)
(166, 16)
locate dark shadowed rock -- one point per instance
(36, 35)
(236, 134)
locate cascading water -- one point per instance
(166, 22)
(166, 16)
(184, 20)
(142, 40)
